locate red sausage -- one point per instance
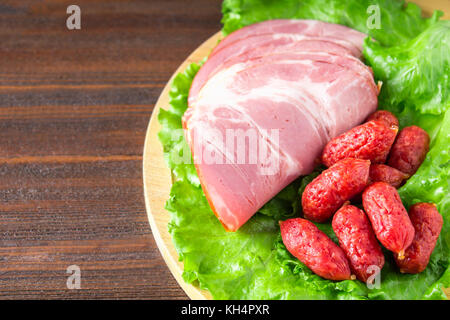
(427, 223)
(335, 185)
(370, 141)
(384, 173)
(409, 150)
(385, 116)
(356, 238)
(388, 216)
(313, 247)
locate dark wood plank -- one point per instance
(74, 108)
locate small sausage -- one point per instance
(427, 223)
(385, 116)
(409, 150)
(335, 185)
(384, 173)
(356, 238)
(315, 249)
(369, 141)
(388, 217)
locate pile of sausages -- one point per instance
(365, 164)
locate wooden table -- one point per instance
(74, 108)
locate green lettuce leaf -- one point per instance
(253, 263)
(415, 74)
(398, 23)
(176, 150)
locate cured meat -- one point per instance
(275, 36)
(388, 217)
(315, 249)
(313, 28)
(242, 51)
(261, 120)
(427, 222)
(370, 141)
(356, 238)
(341, 182)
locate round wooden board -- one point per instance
(157, 177)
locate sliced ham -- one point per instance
(290, 101)
(307, 48)
(275, 36)
(241, 51)
(312, 28)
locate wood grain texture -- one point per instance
(74, 108)
(157, 177)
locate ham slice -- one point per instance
(241, 51)
(313, 28)
(275, 35)
(261, 118)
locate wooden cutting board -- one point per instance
(157, 177)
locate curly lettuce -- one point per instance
(411, 57)
(399, 22)
(416, 73)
